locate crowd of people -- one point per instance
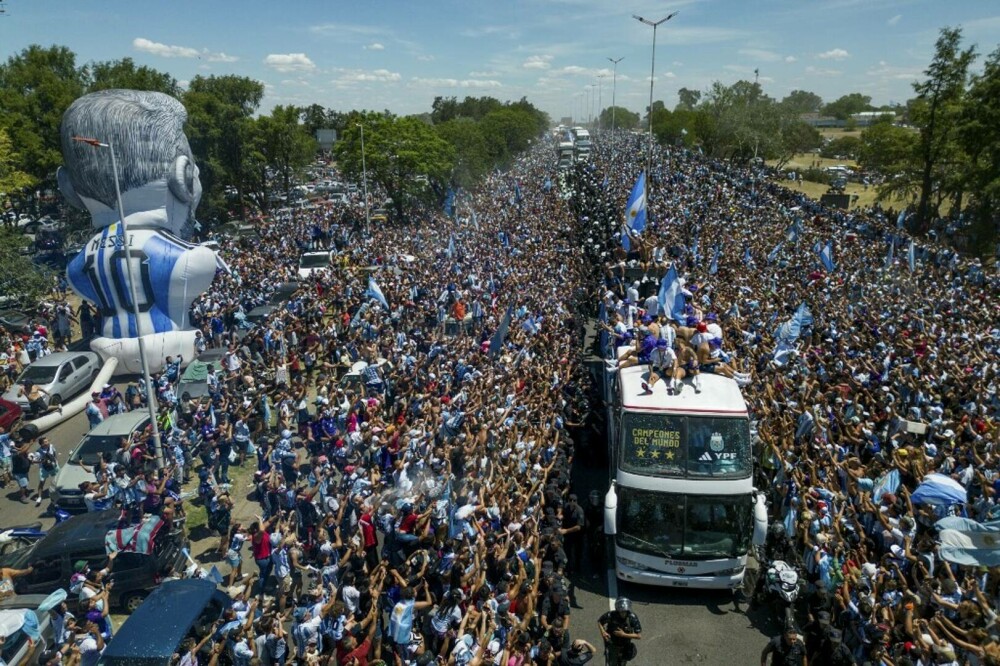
(872, 371)
(411, 415)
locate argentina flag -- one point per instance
(635, 209)
(375, 292)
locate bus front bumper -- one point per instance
(707, 582)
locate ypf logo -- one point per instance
(717, 444)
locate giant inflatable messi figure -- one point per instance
(160, 191)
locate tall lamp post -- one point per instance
(652, 75)
(364, 181)
(614, 89)
(600, 99)
(150, 392)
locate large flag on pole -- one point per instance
(375, 292)
(911, 256)
(892, 250)
(671, 296)
(714, 267)
(635, 209)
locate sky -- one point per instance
(399, 55)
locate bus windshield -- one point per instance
(685, 446)
(691, 527)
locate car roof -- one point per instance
(84, 532)
(56, 359)
(120, 424)
(154, 631)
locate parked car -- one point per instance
(82, 538)
(102, 438)
(63, 375)
(153, 634)
(17, 647)
(15, 321)
(10, 414)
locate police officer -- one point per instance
(572, 530)
(618, 629)
(786, 649)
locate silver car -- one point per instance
(103, 438)
(63, 375)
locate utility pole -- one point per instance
(652, 77)
(614, 89)
(600, 99)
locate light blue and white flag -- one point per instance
(375, 292)
(635, 209)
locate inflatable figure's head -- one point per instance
(159, 180)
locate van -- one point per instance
(176, 610)
(82, 538)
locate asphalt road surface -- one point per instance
(65, 437)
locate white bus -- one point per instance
(681, 508)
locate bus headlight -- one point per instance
(633, 564)
(735, 571)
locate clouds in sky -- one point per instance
(833, 54)
(172, 51)
(290, 62)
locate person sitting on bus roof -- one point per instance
(638, 355)
(663, 364)
(688, 361)
(710, 361)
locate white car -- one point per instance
(311, 262)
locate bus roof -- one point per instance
(719, 395)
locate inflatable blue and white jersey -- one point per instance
(169, 274)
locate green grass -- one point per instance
(865, 198)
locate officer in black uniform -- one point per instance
(618, 629)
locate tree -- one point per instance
(397, 150)
(36, 87)
(941, 95)
(687, 99)
(624, 119)
(472, 154)
(798, 102)
(283, 145)
(508, 131)
(220, 132)
(887, 149)
(796, 137)
(12, 179)
(20, 278)
(124, 74)
(978, 132)
(846, 106)
(849, 146)
(314, 117)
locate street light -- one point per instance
(364, 181)
(600, 99)
(590, 104)
(614, 89)
(652, 74)
(150, 391)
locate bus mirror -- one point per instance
(611, 511)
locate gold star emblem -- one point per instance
(641, 453)
(655, 454)
(669, 455)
